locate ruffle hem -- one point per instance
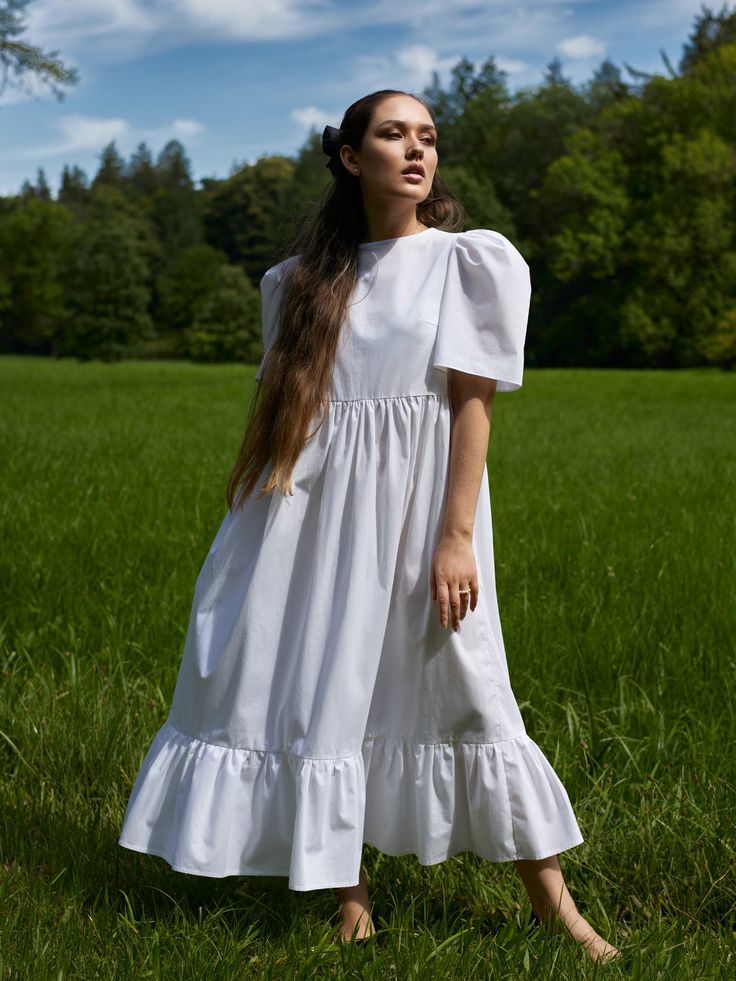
(213, 810)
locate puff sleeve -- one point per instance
(270, 290)
(484, 309)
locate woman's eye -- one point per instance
(428, 140)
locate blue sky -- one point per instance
(236, 79)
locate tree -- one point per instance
(244, 213)
(35, 240)
(21, 59)
(184, 284)
(112, 169)
(585, 207)
(227, 326)
(477, 192)
(73, 190)
(175, 208)
(310, 178)
(107, 285)
(607, 87)
(682, 248)
(173, 169)
(709, 33)
(142, 171)
(39, 191)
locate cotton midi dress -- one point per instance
(319, 703)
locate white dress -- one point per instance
(319, 702)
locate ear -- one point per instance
(347, 155)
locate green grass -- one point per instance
(613, 505)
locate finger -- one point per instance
(474, 590)
(455, 605)
(464, 602)
(443, 595)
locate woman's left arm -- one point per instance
(453, 564)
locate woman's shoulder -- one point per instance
(274, 274)
(481, 246)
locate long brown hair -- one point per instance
(297, 370)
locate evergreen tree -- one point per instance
(19, 59)
(43, 191)
(35, 239)
(173, 169)
(73, 190)
(175, 208)
(107, 285)
(142, 172)
(606, 88)
(112, 169)
(710, 32)
(40, 191)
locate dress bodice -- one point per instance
(424, 303)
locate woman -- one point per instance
(320, 702)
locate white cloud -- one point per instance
(418, 60)
(258, 20)
(120, 29)
(125, 28)
(186, 128)
(409, 67)
(87, 133)
(75, 23)
(513, 66)
(80, 133)
(311, 116)
(581, 46)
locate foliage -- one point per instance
(243, 213)
(106, 280)
(35, 239)
(19, 59)
(226, 324)
(619, 192)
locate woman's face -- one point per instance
(400, 134)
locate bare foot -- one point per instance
(355, 911)
(553, 905)
(580, 930)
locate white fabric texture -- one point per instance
(319, 703)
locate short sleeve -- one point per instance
(270, 290)
(484, 309)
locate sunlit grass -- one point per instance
(613, 505)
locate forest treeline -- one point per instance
(620, 193)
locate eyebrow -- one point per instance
(400, 122)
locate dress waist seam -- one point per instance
(390, 398)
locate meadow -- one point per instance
(613, 507)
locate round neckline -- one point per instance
(399, 238)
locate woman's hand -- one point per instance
(453, 569)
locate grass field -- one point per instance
(613, 504)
